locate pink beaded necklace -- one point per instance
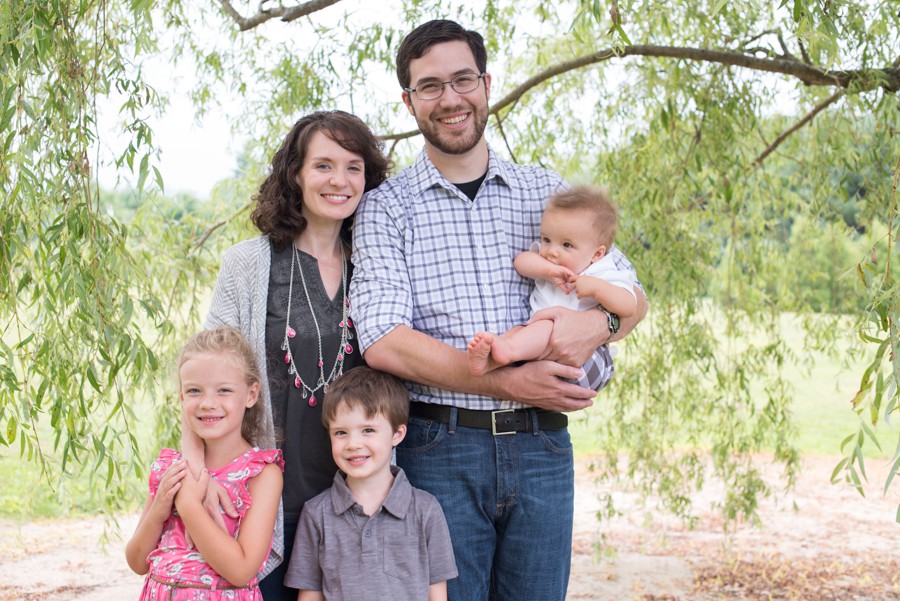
(337, 367)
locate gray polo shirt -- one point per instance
(395, 554)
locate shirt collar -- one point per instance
(396, 503)
(400, 496)
(427, 176)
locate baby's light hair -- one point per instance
(373, 391)
(595, 200)
(229, 342)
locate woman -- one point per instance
(286, 290)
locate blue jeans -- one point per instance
(509, 503)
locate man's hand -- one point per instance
(415, 356)
(539, 384)
(576, 334)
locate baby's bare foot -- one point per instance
(478, 353)
(501, 352)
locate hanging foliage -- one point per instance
(753, 152)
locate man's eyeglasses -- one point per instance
(432, 90)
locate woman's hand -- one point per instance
(217, 501)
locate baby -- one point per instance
(571, 269)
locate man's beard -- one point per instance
(448, 143)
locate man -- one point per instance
(433, 251)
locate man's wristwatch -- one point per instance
(612, 319)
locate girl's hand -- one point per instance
(169, 485)
(156, 511)
(216, 497)
(192, 489)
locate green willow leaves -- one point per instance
(753, 151)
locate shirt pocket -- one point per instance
(404, 559)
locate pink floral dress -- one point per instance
(179, 573)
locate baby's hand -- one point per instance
(585, 286)
(561, 277)
(169, 485)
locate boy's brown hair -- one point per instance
(595, 200)
(373, 391)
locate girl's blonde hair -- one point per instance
(228, 341)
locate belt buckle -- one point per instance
(494, 422)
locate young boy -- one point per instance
(371, 535)
(571, 269)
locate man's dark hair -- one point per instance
(439, 31)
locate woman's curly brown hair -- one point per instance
(280, 199)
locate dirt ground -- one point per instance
(820, 542)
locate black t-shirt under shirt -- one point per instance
(471, 188)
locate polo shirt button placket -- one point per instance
(368, 542)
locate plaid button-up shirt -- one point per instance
(428, 257)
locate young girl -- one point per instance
(219, 382)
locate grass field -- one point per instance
(820, 407)
(823, 386)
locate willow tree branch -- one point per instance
(805, 54)
(403, 135)
(860, 80)
(758, 36)
(219, 224)
(286, 14)
(806, 119)
(390, 152)
(756, 50)
(505, 139)
(784, 48)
